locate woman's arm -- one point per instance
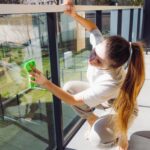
(61, 94)
(70, 10)
(56, 90)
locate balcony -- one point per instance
(34, 118)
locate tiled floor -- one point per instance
(141, 123)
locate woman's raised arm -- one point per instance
(70, 10)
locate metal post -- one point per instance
(119, 27)
(40, 107)
(57, 2)
(99, 19)
(18, 104)
(1, 106)
(61, 1)
(75, 2)
(146, 23)
(138, 24)
(52, 31)
(131, 25)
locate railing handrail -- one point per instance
(23, 9)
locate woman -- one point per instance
(107, 80)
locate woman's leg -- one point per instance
(74, 87)
(102, 132)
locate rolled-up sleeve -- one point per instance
(96, 37)
(97, 94)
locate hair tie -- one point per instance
(131, 50)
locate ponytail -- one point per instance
(126, 100)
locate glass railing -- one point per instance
(31, 118)
(24, 119)
(73, 55)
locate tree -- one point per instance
(102, 1)
(137, 2)
(131, 2)
(121, 2)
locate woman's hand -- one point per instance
(39, 77)
(70, 9)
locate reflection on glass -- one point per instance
(74, 50)
(73, 55)
(22, 109)
(106, 23)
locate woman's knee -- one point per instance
(68, 87)
(74, 87)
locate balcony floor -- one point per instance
(141, 123)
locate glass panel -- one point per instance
(73, 55)
(90, 15)
(24, 121)
(125, 23)
(113, 22)
(106, 23)
(134, 32)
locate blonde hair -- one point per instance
(125, 103)
(119, 51)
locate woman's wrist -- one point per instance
(46, 84)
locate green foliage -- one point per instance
(102, 1)
(131, 2)
(121, 2)
(137, 2)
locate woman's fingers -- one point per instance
(36, 71)
(39, 78)
(33, 74)
(69, 7)
(68, 2)
(33, 81)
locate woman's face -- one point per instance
(98, 57)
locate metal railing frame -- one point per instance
(51, 13)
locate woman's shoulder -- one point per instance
(111, 77)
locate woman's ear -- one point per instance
(112, 64)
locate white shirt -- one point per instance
(104, 84)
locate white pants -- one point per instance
(102, 132)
